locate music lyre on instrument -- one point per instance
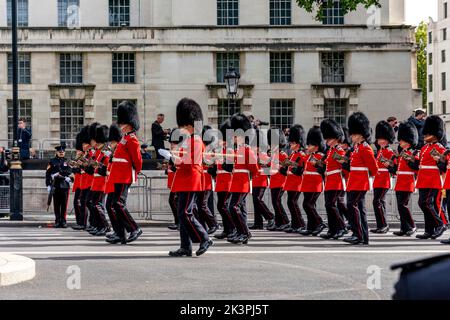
(336, 156)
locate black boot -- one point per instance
(181, 253)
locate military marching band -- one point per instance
(343, 163)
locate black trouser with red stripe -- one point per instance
(342, 207)
(427, 203)
(207, 219)
(379, 207)
(309, 205)
(296, 215)
(406, 220)
(173, 206)
(77, 207)
(97, 199)
(223, 203)
(238, 211)
(119, 204)
(336, 221)
(83, 206)
(260, 208)
(93, 220)
(190, 228)
(357, 209)
(111, 214)
(281, 217)
(60, 200)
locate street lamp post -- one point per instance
(232, 83)
(16, 190)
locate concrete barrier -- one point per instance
(15, 269)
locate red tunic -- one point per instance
(76, 182)
(429, 176)
(127, 160)
(170, 176)
(99, 183)
(312, 179)
(223, 179)
(245, 167)
(334, 177)
(261, 180)
(362, 166)
(109, 187)
(86, 181)
(447, 175)
(207, 179)
(294, 182)
(405, 175)
(277, 180)
(189, 174)
(382, 179)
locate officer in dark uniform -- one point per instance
(58, 178)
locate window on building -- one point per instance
(280, 12)
(430, 37)
(227, 12)
(123, 67)
(22, 13)
(24, 64)
(444, 34)
(225, 110)
(443, 56)
(71, 120)
(445, 10)
(281, 113)
(444, 81)
(115, 105)
(119, 13)
(68, 13)
(25, 111)
(71, 67)
(333, 14)
(444, 107)
(430, 58)
(224, 60)
(333, 67)
(430, 83)
(336, 109)
(430, 108)
(280, 67)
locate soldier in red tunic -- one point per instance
(86, 178)
(312, 184)
(77, 186)
(188, 180)
(170, 172)
(294, 177)
(385, 136)
(126, 165)
(278, 176)
(429, 180)
(245, 167)
(334, 178)
(260, 184)
(406, 171)
(362, 166)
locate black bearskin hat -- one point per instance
(93, 130)
(407, 132)
(209, 135)
(240, 121)
(331, 130)
(78, 142)
(188, 112)
(384, 130)
(359, 124)
(127, 114)
(315, 138)
(224, 126)
(346, 139)
(84, 135)
(115, 134)
(434, 126)
(101, 134)
(281, 137)
(297, 135)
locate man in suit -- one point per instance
(158, 134)
(24, 138)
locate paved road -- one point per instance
(272, 266)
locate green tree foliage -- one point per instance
(421, 40)
(346, 5)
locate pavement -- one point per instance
(75, 265)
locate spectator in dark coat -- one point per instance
(144, 153)
(419, 121)
(159, 135)
(23, 139)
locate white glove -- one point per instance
(68, 180)
(49, 188)
(55, 175)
